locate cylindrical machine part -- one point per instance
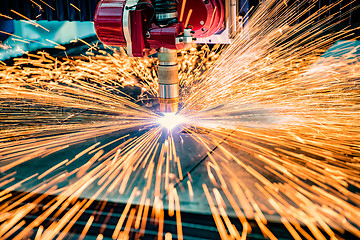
(168, 91)
(170, 105)
(168, 80)
(166, 12)
(109, 22)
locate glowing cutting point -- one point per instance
(171, 120)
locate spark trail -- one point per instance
(279, 125)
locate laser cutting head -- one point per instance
(167, 26)
(168, 80)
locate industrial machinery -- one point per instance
(141, 26)
(166, 26)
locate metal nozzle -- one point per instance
(169, 105)
(168, 80)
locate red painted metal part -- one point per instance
(207, 19)
(108, 22)
(137, 33)
(166, 37)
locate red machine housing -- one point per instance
(206, 19)
(108, 22)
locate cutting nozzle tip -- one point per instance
(170, 105)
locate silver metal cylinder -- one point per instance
(168, 80)
(169, 90)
